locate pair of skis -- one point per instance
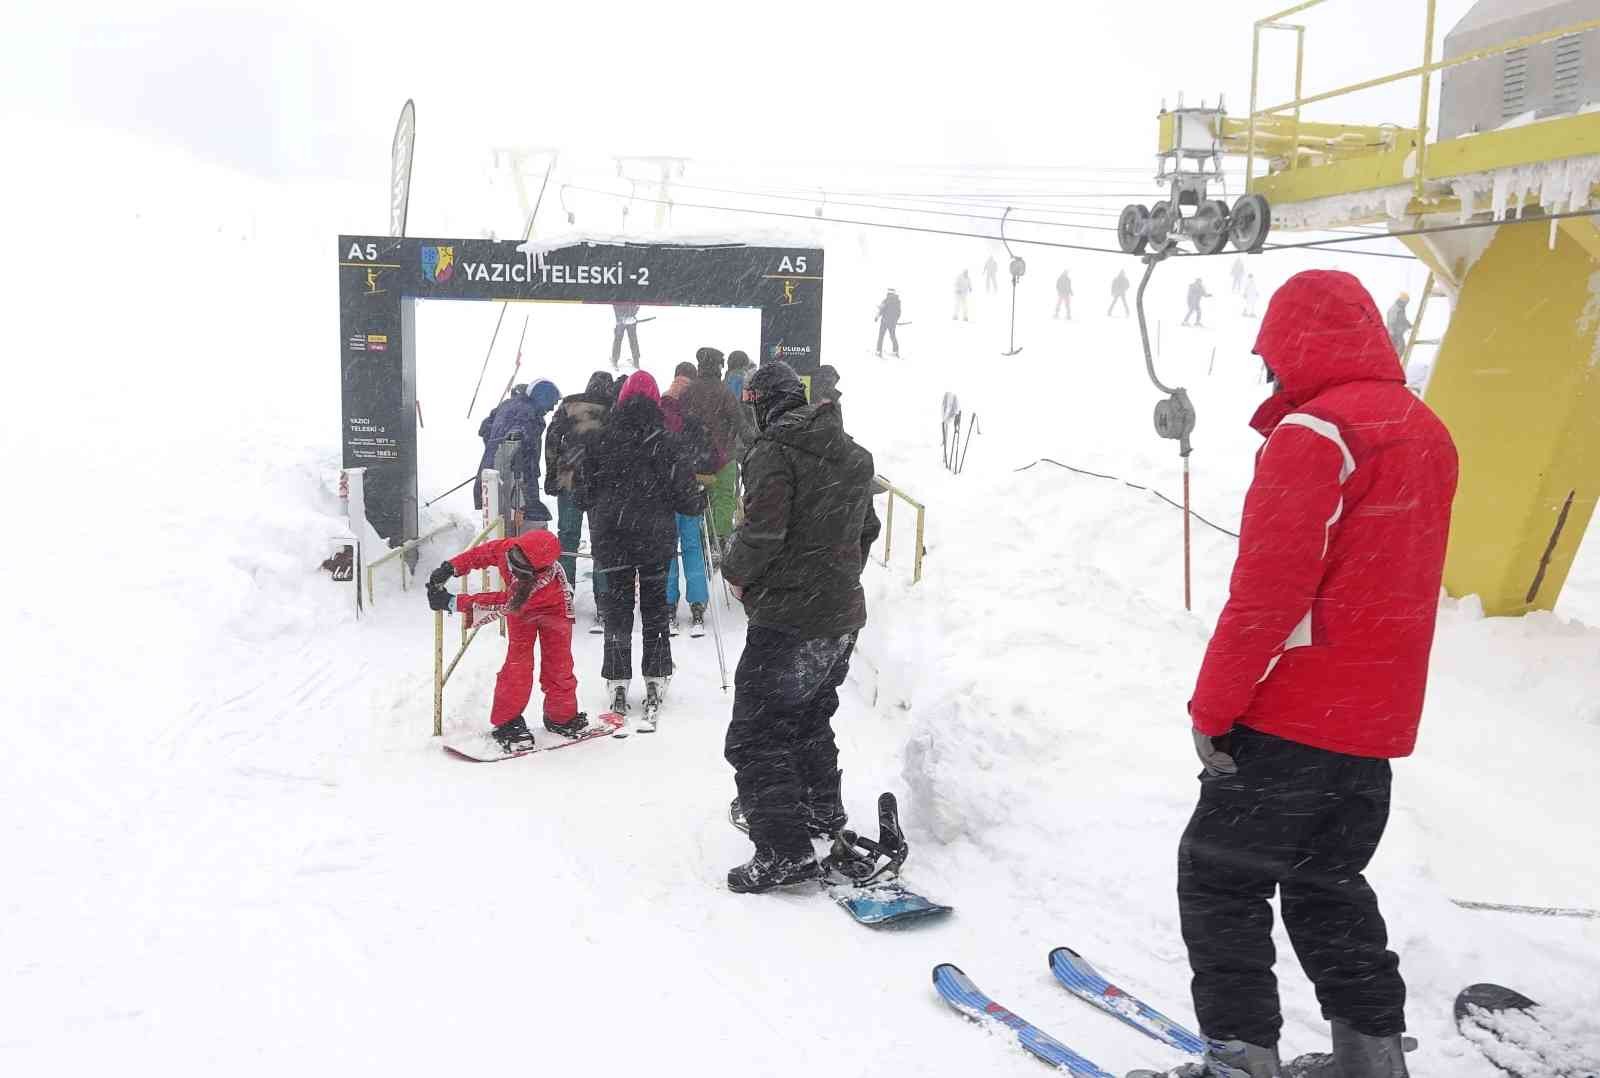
(1074, 973)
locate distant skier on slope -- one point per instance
(991, 275)
(632, 483)
(1197, 292)
(1119, 293)
(1399, 323)
(888, 318)
(796, 565)
(537, 607)
(1252, 296)
(1238, 275)
(1313, 680)
(627, 316)
(521, 414)
(1063, 295)
(963, 309)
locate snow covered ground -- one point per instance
(232, 845)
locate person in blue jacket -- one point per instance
(522, 413)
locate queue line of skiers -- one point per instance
(651, 469)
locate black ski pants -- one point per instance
(617, 602)
(1304, 822)
(780, 741)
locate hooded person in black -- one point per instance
(573, 428)
(633, 482)
(795, 563)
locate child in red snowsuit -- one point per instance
(537, 607)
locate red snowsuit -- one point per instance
(545, 616)
(1329, 622)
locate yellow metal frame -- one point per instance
(403, 548)
(884, 486)
(1345, 159)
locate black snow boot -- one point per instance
(514, 736)
(573, 727)
(769, 869)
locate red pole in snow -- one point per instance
(1187, 605)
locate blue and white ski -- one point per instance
(958, 990)
(1084, 981)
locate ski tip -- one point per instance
(1066, 953)
(949, 967)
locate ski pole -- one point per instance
(518, 365)
(486, 356)
(716, 621)
(451, 491)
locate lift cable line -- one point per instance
(947, 231)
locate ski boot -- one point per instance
(697, 619)
(617, 696)
(769, 869)
(514, 736)
(655, 691)
(672, 622)
(1225, 1059)
(574, 727)
(599, 626)
(1355, 1055)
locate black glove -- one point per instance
(442, 575)
(1214, 760)
(440, 599)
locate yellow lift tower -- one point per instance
(1499, 208)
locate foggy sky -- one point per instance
(298, 89)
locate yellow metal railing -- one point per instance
(403, 548)
(1266, 119)
(894, 492)
(441, 672)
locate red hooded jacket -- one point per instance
(551, 593)
(1329, 622)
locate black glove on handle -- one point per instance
(442, 575)
(440, 599)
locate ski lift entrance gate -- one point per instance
(381, 277)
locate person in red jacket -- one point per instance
(538, 608)
(1312, 682)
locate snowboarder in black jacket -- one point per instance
(796, 565)
(633, 482)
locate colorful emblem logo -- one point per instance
(438, 263)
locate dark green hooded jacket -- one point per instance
(808, 526)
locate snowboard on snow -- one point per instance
(481, 747)
(862, 876)
(1506, 1026)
